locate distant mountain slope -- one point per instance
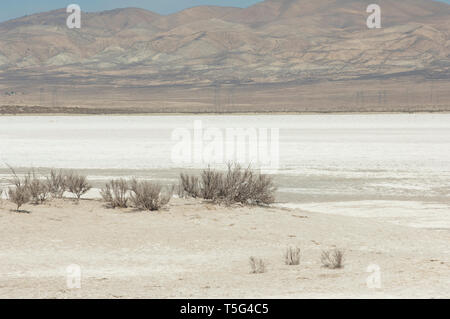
(273, 42)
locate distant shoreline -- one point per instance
(220, 113)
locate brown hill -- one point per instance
(276, 43)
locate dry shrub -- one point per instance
(146, 195)
(189, 186)
(333, 259)
(20, 193)
(57, 183)
(237, 185)
(115, 193)
(38, 189)
(211, 184)
(263, 190)
(243, 186)
(77, 184)
(257, 265)
(292, 256)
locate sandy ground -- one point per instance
(198, 250)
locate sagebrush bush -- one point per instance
(77, 184)
(38, 189)
(116, 193)
(263, 190)
(257, 265)
(332, 259)
(237, 185)
(189, 186)
(292, 256)
(57, 183)
(147, 195)
(20, 193)
(211, 184)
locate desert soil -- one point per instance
(194, 249)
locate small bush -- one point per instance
(189, 186)
(146, 195)
(211, 184)
(263, 190)
(257, 265)
(115, 193)
(57, 183)
(332, 259)
(77, 184)
(20, 193)
(237, 185)
(292, 256)
(38, 189)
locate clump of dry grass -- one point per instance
(237, 185)
(257, 265)
(146, 195)
(332, 259)
(292, 256)
(77, 184)
(57, 183)
(115, 193)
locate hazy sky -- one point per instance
(10, 9)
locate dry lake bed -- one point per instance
(375, 185)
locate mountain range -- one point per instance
(206, 58)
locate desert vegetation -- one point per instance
(77, 184)
(332, 259)
(116, 193)
(146, 195)
(236, 185)
(57, 184)
(257, 265)
(143, 195)
(34, 189)
(119, 193)
(38, 189)
(292, 256)
(19, 194)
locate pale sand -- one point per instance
(198, 250)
